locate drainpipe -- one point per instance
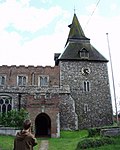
(19, 101)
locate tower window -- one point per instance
(2, 80)
(86, 86)
(22, 80)
(86, 108)
(84, 54)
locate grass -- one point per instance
(6, 143)
(67, 141)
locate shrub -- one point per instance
(93, 132)
(94, 142)
(13, 118)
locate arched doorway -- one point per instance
(43, 125)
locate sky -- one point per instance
(31, 31)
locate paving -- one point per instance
(44, 145)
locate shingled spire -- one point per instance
(77, 43)
(76, 31)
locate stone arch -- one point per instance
(43, 125)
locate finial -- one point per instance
(74, 9)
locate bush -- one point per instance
(94, 132)
(94, 142)
(13, 118)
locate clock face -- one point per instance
(85, 71)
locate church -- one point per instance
(72, 95)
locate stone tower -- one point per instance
(84, 69)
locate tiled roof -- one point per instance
(76, 42)
(72, 53)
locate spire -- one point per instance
(78, 44)
(76, 31)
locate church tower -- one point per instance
(84, 69)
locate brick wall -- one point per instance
(11, 73)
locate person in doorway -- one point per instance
(24, 139)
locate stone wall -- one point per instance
(68, 116)
(93, 107)
(110, 132)
(8, 131)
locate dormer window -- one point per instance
(84, 54)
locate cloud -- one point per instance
(46, 1)
(91, 8)
(113, 6)
(25, 2)
(38, 51)
(26, 18)
(23, 17)
(20, 18)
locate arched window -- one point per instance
(86, 108)
(86, 86)
(5, 103)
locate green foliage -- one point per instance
(13, 118)
(94, 142)
(73, 134)
(94, 132)
(67, 141)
